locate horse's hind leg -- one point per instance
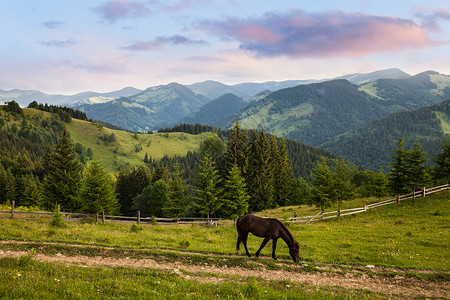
(244, 241)
(239, 240)
(263, 244)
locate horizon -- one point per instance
(262, 82)
(101, 46)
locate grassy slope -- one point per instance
(122, 151)
(411, 236)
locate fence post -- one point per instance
(365, 208)
(398, 199)
(103, 217)
(424, 191)
(96, 218)
(139, 218)
(321, 214)
(59, 208)
(12, 209)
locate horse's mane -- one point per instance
(287, 231)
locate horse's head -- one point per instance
(294, 251)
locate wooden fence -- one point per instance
(321, 215)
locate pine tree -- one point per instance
(2, 184)
(281, 166)
(380, 183)
(398, 174)
(129, 185)
(207, 193)
(418, 175)
(178, 202)
(260, 175)
(235, 198)
(442, 160)
(152, 199)
(34, 194)
(300, 192)
(321, 193)
(62, 181)
(10, 188)
(97, 190)
(237, 151)
(343, 189)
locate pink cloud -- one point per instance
(331, 33)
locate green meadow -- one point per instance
(129, 148)
(413, 238)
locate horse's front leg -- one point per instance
(262, 246)
(274, 247)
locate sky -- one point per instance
(68, 47)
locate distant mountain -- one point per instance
(371, 144)
(312, 113)
(363, 78)
(357, 79)
(156, 107)
(92, 97)
(25, 97)
(411, 93)
(252, 88)
(213, 90)
(213, 112)
(316, 113)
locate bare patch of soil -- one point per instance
(398, 286)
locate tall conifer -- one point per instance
(63, 177)
(178, 202)
(237, 151)
(398, 174)
(207, 192)
(97, 190)
(235, 202)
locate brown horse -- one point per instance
(268, 229)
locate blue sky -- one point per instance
(75, 46)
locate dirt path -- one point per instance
(398, 286)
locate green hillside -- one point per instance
(37, 129)
(313, 113)
(213, 112)
(371, 144)
(129, 148)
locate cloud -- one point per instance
(53, 24)
(58, 44)
(431, 18)
(160, 42)
(331, 33)
(111, 11)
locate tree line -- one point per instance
(63, 111)
(250, 171)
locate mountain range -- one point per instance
(324, 113)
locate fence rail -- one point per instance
(321, 215)
(345, 212)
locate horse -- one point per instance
(267, 228)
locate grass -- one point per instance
(54, 281)
(123, 150)
(409, 236)
(412, 238)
